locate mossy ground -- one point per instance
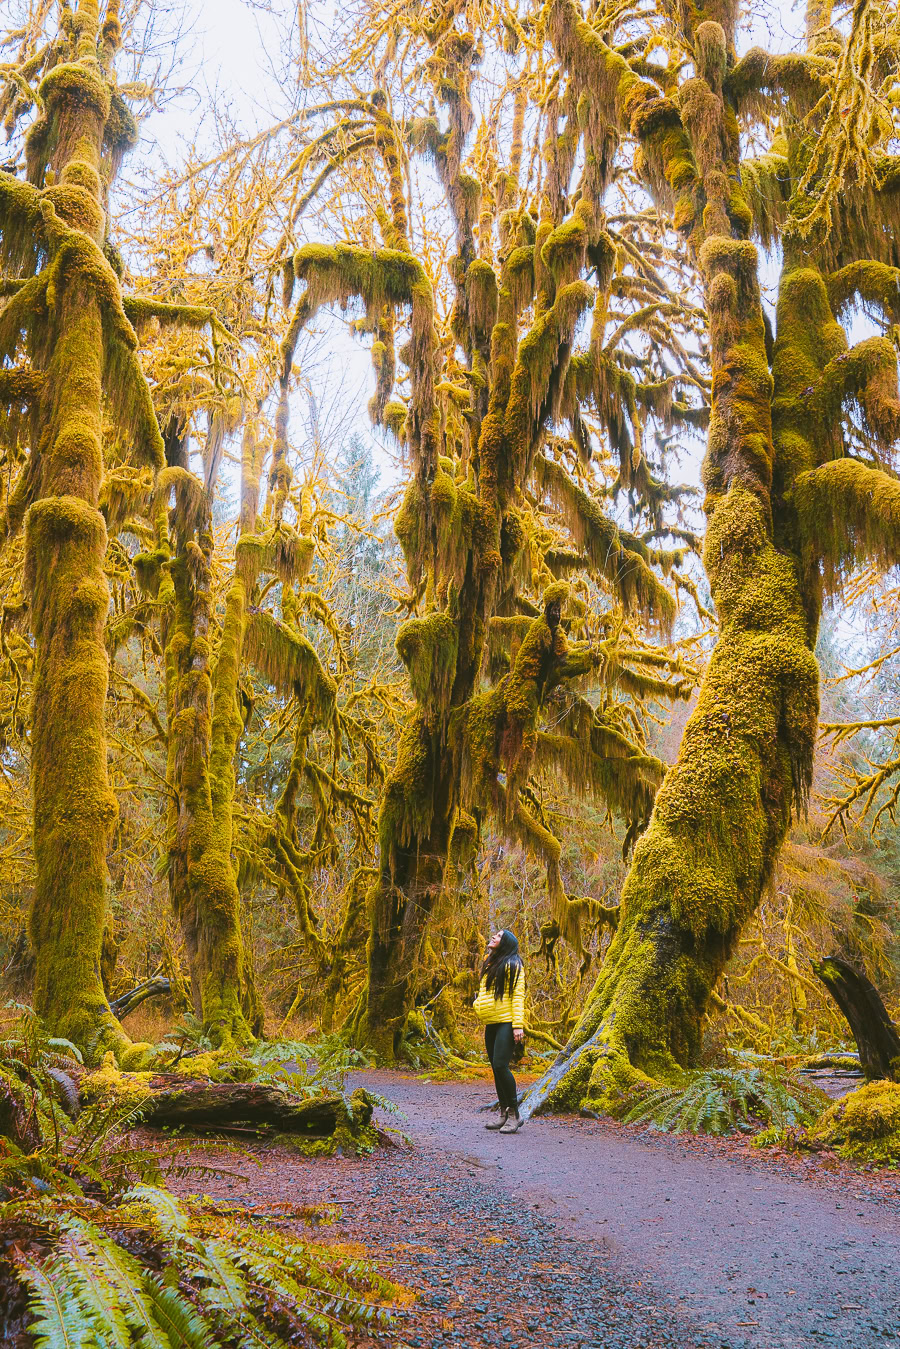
(864, 1126)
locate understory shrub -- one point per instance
(719, 1100)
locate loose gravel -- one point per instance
(584, 1233)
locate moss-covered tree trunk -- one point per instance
(204, 727)
(74, 807)
(413, 853)
(788, 506)
(227, 729)
(745, 760)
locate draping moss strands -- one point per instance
(789, 412)
(499, 505)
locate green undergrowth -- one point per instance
(306, 1067)
(863, 1126)
(741, 1097)
(148, 1269)
(96, 1252)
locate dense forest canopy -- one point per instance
(302, 688)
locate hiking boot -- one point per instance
(512, 1124)
(498, 1123)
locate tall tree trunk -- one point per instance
(745, 760)
(204, 728)
(413, 853)
(74, 807)
(227, 729)
(203, 885)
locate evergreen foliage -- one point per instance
(718, 1100)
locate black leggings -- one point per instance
(498, 1041)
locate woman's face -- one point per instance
(495, 940)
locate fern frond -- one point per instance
(715, 1100)
(166, 1213)
(122, 1278)
(89, 1283)
(182, 1324)
(58, 1322)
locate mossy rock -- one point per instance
(864, 1125)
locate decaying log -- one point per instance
(150, 988)
(876, 1036)
(210, 1106)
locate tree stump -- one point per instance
(876, 1036)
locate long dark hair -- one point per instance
(501, 967)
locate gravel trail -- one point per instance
(719, 1249)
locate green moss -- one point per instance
(428, 648)
(109, 1083)
(563, 253)
(394, 418)
(864, 1126)
(481, 298)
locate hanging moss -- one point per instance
(20, 386)
(289, 661)
(600, 541)
(563, 253)
(539, 373)
(428, 648)
(865, 282)
(849, 514)
(482, 298)
(280, 551)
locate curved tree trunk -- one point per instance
(876, 1036)
(745, 759)
(719, 819)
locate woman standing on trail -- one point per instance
(500, 1005)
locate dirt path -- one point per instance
(726, 1249)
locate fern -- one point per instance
(166, 1213)
(239, 1279)
(91, 1227)
(90, 1285)
(121, 1277)
(57, 1320)
(182, 1324)
(717, 1100)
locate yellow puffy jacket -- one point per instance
(493, 1011)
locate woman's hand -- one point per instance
(518, 1036)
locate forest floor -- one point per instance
(588, 1233)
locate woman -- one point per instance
(500, 1005)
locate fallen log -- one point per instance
(876, 1036)
(208, 1106)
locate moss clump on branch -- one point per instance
(428, 647)
(290, 661)
(848, 513)
(636, 585)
